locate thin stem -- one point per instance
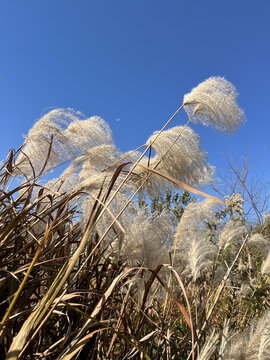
(123, 157)
(134, 194)
(219, 291)
(136, 163)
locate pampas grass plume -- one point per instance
(213, 102)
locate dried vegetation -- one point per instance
(89, 270)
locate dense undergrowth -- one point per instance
(109, 261)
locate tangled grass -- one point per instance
(88, 272)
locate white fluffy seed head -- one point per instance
(185, 161)
(252, 343)
(209, 347)
(266, 265)
(89, 133)
(97, 159)
(213, 102)
(193, 220)
(194, 251)
(148, 239)
(68, 134)
(259, 241)
(232, 232)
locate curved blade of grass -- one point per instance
(37, 315)
(81, 344)
(186, 315)
(30, 323)
(182, 185)
(95, 312)
(180, 306)
(146, 292)
(8, 170)
(91, 222)
(30, 268)
(86, 338)
(193, 334)
(119, 320)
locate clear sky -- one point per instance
(131, 62)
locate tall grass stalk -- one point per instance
(90, 270)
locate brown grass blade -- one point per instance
(119, 321)
(146, 292)
(96, 311)
(182, 185)
(18, 292)
(114, 178)
(81, 344)
(8, 170)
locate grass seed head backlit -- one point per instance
(213, 102)
(110, 259)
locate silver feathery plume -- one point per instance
(253, 343)
(60, 136)
(213, 102)
(193, 249)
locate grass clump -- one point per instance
(108, 261)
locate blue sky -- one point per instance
(131, 62)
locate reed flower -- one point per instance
(60, 136)
(148, 240)
(266, 265)
(259, 241)
(213, 102)
(193, 248)
(89, 133)
(232, 232)
(253, 343)
(97, 159)
(185, 160)
(209, 347)
(225, 337)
